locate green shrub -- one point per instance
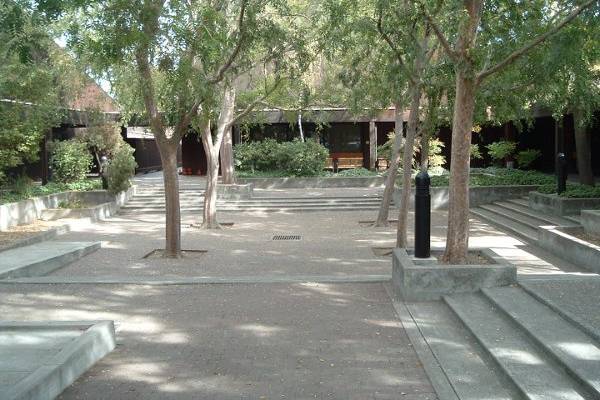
(355, 172)
(295, 158)
(256, 156)
(476, 152)
(501, 150)
(120, 169)
(526, 157)
(27, 192)
(71, 161)
(301, 158)
(499, 177)
(578, 191)
(573, 190)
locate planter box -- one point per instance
(478, 195)
(556, 205)
(315, 182)
(569, 247)
(590, 219)
(417, 279)
(235, 192)
(27, 211)
(95, 213)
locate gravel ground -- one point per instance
(267, 341)
(333, 243)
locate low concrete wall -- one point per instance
(478, 195)
(314, 182)
(27, 211)
(425, 279)
(569, 247)
(590, 219)
(556, 205)
(235, 192)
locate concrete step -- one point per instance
(160, 210)
(534, 373)
(469, 369)
(523, 231)
(544, 219)
(577, 352)
(254, 204)
(523, 201)
(264, 201)
(531, 222)
(42, 258)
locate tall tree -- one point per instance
(270, 45)
(30, 83)
(569, 82)
(502, 42)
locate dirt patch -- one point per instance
(191, 254)
(382, 251)
(22, 232)
(472, 259)
(372, 223)
(586, 237)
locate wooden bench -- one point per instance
(337, 163)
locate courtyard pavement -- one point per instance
(277, 326)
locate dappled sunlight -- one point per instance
(582, 351)
(384, 323)
(518, 356)
(260, 330)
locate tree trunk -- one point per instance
(457, 240)
(407, 159)
(211, 149)
(227, 166)
(300, 126)
(583, 145)
(424, 150)
(390, 180)
(168, 155)
(210, 196)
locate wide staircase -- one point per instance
(509, 343)
(151, 200)
(515, 217)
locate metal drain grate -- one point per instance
(287, 237)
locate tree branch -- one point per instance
(520, 52)
(253, 104)
(439, 34)
(395, 49)
(240, 31)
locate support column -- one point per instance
(372, 144)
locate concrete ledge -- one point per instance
(41, 259)
(27, 211)
(556, 205)
(478, 195)
(590, 219)
(235, 192)
(570, 248)
(315, 182)
(425, 280)
(52, 376)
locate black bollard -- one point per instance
(561, 172)
(422, 215)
